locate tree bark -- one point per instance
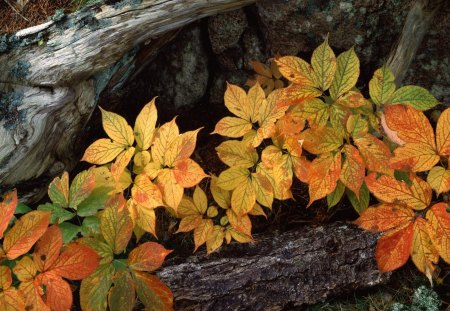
(292, 269)
(53, 74)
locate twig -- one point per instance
(15, 10)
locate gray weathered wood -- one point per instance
(49, 90)
(296, 268)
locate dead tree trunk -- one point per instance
(295, 268)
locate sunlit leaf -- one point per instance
(12, 300)
(423, 253)
(414, 96)
(144, 128)
(58, 294)
(295, 94)
(117, 128)
(214, 239)
(165, 135)
(201, 232)
(7, 207)
(171, 190)
(76, 261)
(102, 151)
(153, 293)
(232, 127)
(439, 179)
(25, 269)
(353, 169)
(237, 153)
(117, 227)
(321, 140)
(5, 277)
(58, 190)
(146, 193)
(181, 148)
(122, 161)
(384, 217)
(255, 98)
(81, 187)
(243, 197)
(236, 101)
(221, 197)
(361, 203)
(375, 153)
(232, 178)
(335, 197)
(263, 189)
(439, 229)
(443, 133)
(416, 157)
(242, 223)
(347, 73)
(46, 251)
(323, 62)
(382, 85)
(296, 70)
(148, 256)
(188, 173)
(200, 200)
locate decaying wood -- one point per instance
(49, 88)
(300, 267)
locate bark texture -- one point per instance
(296, 268)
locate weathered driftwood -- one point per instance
(295, 268)
(51, 77)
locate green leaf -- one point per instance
(414, 96)
(90, 226)
(363, 202)
(382, 86)
(81, 187)
(335, 197)
(69, 231)
(122, 296)
(94, 202)
(347, 73)
(22, 209)
(58, 214)
(94, 289)
(323, 62)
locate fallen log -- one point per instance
(296, 268)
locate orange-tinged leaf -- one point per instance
(188, 208)
(47, 249)
(153, 293)
(384, 217)
(321, 140)
(390, 190)
(148, 256)
(375, 153)
(382, 85)
(261, 69)
(347, 73)
(296, 94)
(323, 62)
(188, 173)
(411, 125)
(102, 151)
(58, 295)
(5, 277)
(25, 232)
(181, 148)
(122, 161)
(189, 223)
(242, 223)
(165, 135)
(296, 70)
(117, 128)
(214, 239)
(122, 296)
(290, 124)
(314, 110)
(81, 187)
(257, 210)
(423, 253)
(439, 179)
(76, 262)
(263, 189)
(237, 153)
(439, 229)
(393, 248)
(12, 300)
(352, 99)
(302, 167)
(116, 227)
(255, 98)
(8, 206)
(324, 174)
(146, 193)
(232, 178)
(94, 288)
(416, 157)
(172, 191)
(221, 197)
(32, 294)
(353, 169)
(201, 232)
(243, 197)
(237, 102)
(25, 269)
(443, 133)
(144, 128)
(232, 127)
(58, 190)
(237, 235)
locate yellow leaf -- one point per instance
(172, 191)
(324, 174)
(439, 179)
(188, 173)
(122, 161)
(116, 227)
(140, 160)
(146, 193)
(5, 277)
(82, 186)
(232, 127)
(443, 133)
(237, 102)
(102, 151)
(321, 140)
(165, 135)
(181, 148)
(439, 229)
(353, 169)
(416, 157)
(263, 189)
(189, 223)
(12, 300)
(144, 128)
(238, 236)
(214, 239)
(152, 170)
(237, 153)
(243, 197)
(187, 208)
(241, 223)
(352, 99)
(347, 73)
(423, 253)
(201, 232)
(146, 219)
(257, 211)
(255, 98)
(296, 94)
(296, 70)
(117, 128)
(232, 178)
(200, 200)
(382, 86)
(221, 197)
(323, 62)
(25, 269)
(314, 110)
(356, 125)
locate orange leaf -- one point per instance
(8, 206)
(423, 253)
(25, 232)
(188, 173)
(146, 193)
(148, 256)
(153, 293)
(323, 176)
(32, 293)
(5, 277)
(384, 217)
(47, 248)
(353, 169)
(411, 125)
(439, 229)
(242, 223)
(443, 133)
(390, 190)
(414, 157)
(352, 99)
(189, 223)
(102, 151)
(375, 153)
(58, 190)
(58, 295)
(232, 127)
(12, 300)
(75, 262)
(296, 94)
(393, 248)
(81, 187)
(263, 189)
(301, 168)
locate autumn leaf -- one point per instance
(117, 128)
(75, 262)
(232, 127)
(323, 61)
(423, 253)
(347, 73)
(382, 85)
(242, 224)
(10, 297)
(439, 179)
(201, 232)
(384, 217)
(243, 197)
(145, 193)
(144, 127)
(102, 151)
(148, 256)
(321, 140)
(153, 293)
(122, 295)
(296, 94)
(117, 227)
(236, 153)
(25, 232)
(164, 137)
(8, 205)
(58, 190)
(353, 169)
(94, 288)
(188, 173)
(296, 70)
(171, 190)
(439, 228)
(47, 249)
(215, 239)
(414, 96)
(443, 133)
(375, 153)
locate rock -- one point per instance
(226, 29)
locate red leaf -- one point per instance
(76, 262)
